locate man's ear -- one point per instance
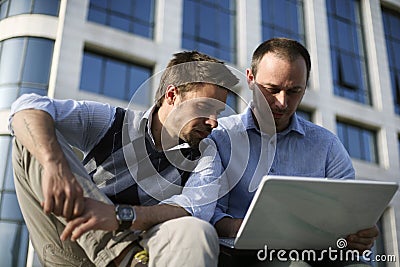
(249, 77)
(170, 94)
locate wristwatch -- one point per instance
(125, 216)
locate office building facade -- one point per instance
(104, 50)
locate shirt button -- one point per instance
(272, 170)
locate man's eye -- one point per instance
(273, 90)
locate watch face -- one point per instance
(126, 213)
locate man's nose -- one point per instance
(281, 99)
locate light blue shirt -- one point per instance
(84, 123)
(303, 149)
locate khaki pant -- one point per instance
(186, 241)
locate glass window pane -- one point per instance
(189, 12)
(5, 142)
(208, 25)
(354, 142)
(3, 9)
(122, 6)
(97, 16)
(91, 76)
(349, 72)
(13, 244)
(119, 22)
(143, 10)
(27, 90)
(9, 175)
(38, 61)
(9, 207)
(8, 95)
(11, 60)
(99, 3)
(48, 7)
(20, 7)
(139, 79)
(115, 79)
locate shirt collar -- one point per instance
(248, 121)
(147, 120)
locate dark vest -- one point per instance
(106, 163)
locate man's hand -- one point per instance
(96, 216)
(228, 227)
(63, 195)
(362, 240)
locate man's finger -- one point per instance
(70, 227)
(48, 205)
(79, 206)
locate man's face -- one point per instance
(282, 84)
(196, 112)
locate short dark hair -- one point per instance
(284, 48)
(188, 69)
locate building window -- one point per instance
(307, 115)
(282, 18)
(209, 27)
(13, 232)
(10, 8)
(134, 16)
(347, 50)
(115, 78)
(398, 144)
(24, 67)
(391, 22)
(359, 142)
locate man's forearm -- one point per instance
(148, 216)
(228, 227)
(35, 130)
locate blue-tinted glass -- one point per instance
(13, 244)
(208, 49)
(189, 13)
(8, 95)
(395, 27)
(9, 176)
(208, 24)
(91, 76)
(345, 40)
(20, 7)
(99, 3)
(143, 9)
(98, 16)
(142, 30)
(9, 207)
(48, 7)
(225, 4)
(11, 60)
(231, 102)
(396, 54)
(122, 6)
(28, 90)
(398, 144)
(354, 142)
(341, 133)
(115, 79)
(3, 9)
(119, 22)
(350, 71)
(139, 80)
(369, 146)
(38, 61)
(224, 34)
(5, 142)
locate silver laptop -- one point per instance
(310, 213)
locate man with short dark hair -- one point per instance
(278, 143)
(143, 175)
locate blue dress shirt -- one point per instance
(303, 149)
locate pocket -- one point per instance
(55, 256)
